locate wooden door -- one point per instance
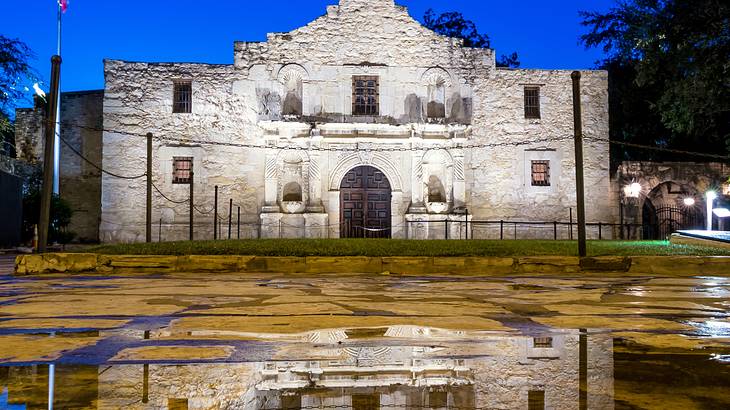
(365, 196)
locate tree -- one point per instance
(669, 72)
(15, 71)
(453, 24)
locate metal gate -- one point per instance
(365, 196)
(664, 221)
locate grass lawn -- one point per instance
(393, 247)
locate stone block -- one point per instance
(340, 264)
(276, 264)
(138, 263)
(208, 263)
(55, 263)
(407, 265)
(667, 265)
(488, 265)
(716, 265)
(605, 264)
(548, 264)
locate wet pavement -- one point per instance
(202, 341)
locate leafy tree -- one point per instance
(669, 72)
(61, 211)
(15, 71)
(453, 24)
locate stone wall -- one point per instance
(80, 182)
(283, 114)
(500, 179)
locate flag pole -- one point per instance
(57, 128)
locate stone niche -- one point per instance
(438, 200)
(293, 205)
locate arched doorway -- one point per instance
(664, 211)
(365, 210)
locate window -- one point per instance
(540, 173)
(542, 342)
(536, 400)
(365, 96)
(177, 404)
(182, 100)
(182, 170)
(532, 103)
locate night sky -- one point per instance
(544, 33)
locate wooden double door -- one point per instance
(365, 210)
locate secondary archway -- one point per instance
(365, 204)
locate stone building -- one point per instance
(361, 123)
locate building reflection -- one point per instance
(410, 367)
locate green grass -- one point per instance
(392, 247)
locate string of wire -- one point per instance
(355, 148)
(88, 161)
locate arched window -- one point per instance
(436, 192)
(292, 192)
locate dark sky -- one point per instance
(544, 33)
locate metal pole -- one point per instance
(571, 223)
(148, 219)
(239, 222)
(466, 223)
(555, 230)
(51, 385)
(580, 189)
(192, 203)
(230, 216)
(215, 214)
(501, 230)
(47, 191)
(159, 232)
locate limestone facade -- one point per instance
(279, 130)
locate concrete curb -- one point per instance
(77, 263)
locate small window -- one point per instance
(532, 103)
(182, 101)
(182, 170)
(540, 173)
(542, 342)
(536, 400)
(365, 96)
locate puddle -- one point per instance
(408, 367)
(278, 342)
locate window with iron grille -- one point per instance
(542, 342)
(365, 95)
(540, 173)
(536, 400)
(182, 101)
(182, 170)
(532, 102)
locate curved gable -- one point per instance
(362, 32)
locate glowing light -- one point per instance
(633, 190)
(689, 201)
(711, 196)
(38, 91)
(722, 212)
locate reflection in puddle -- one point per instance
(395, 367)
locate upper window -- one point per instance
(540, 173)
(365, 96)
(182, 100)
(532, 102)
(182, 170)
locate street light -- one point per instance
(711, 196)
(633, 190)
(689, 201)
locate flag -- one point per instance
(63, 4)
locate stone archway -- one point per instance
(365, 204)
(664, 211)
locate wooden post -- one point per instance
(50, 127)
(148, 218)
(580, 189)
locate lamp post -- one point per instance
(631, 192)
(711, 196)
